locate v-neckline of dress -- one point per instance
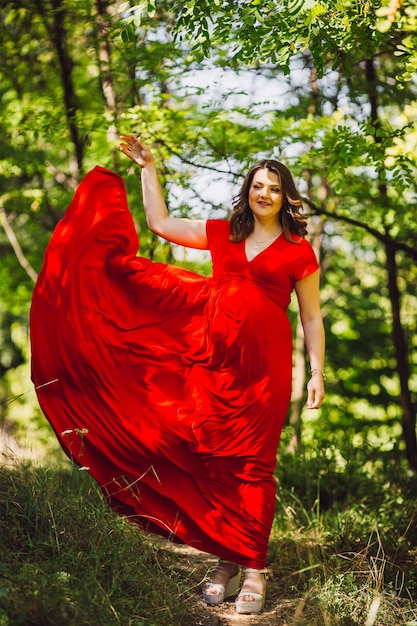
(261, 251)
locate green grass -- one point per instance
(344, 540)
(343, 551)
(66, 559)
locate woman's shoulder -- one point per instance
(298, 240)
(298, 250)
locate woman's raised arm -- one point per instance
(183, 231)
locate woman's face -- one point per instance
(266, 196)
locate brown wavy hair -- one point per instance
(290, 218)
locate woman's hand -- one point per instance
(135, 149)
(315, 390)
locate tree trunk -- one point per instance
(400, 345)
(106, 78)
(54, 20)
(403, 369)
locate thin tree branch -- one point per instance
(383, 237)
(16, 246)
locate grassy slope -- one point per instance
(66, 559)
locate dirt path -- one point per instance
(197, 564)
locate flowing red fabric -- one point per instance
(170, 388)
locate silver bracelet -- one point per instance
(316, 369)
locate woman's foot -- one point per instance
(252, 595)
(223, 583)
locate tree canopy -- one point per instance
(327, 87)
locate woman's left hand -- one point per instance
(315, 390)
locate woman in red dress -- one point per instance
(172, 388)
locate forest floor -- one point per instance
(196, 564)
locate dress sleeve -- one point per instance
(306, 261)
(217, 231)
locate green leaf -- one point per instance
(294, 6)
(137, 18)
(383, 26)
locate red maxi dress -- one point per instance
(170, 388)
